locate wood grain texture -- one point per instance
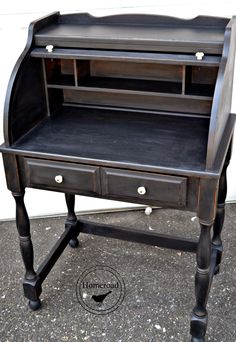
(159, 101)
(71, 219)
(127, 137)
(202, 284)
(130, 70)
(23, 227)
(75, 178)
(162, 188)
(127, 56)
(121, 110)
(221, 106)
(10, 162)
(136, 32)
(207, 200)
(137, 235)
(19, 72)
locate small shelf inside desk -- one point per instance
(136, 76)
(185, 86)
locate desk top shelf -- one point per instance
(135, 32)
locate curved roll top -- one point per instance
(17, 101)
(146, 64)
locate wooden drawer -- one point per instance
(144, 187)
(60, 176)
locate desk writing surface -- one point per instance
(120, 136)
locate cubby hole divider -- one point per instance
(114, 77)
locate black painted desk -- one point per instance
(134, 108)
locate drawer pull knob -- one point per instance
(49, 48)
(141, 190)
(59, 179)
(199, 55)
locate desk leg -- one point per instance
(219, 220)
(31, 285)
(71, 218)
(202, 284)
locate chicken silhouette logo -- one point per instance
(100, 298)
(100, 289)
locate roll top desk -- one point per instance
(134, 108)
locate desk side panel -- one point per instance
(222, 99)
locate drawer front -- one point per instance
(66, 177)
(144, 187)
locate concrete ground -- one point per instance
(159, 284)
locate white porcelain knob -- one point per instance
(49, 48)
(59, 178)
(148, 211)
(141, 190)
(199, 55)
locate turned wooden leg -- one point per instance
(202, 284)
(219, 220)
(71, 218)
(32, 289)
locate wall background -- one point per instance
(14, 20)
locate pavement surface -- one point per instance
(159, 283)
